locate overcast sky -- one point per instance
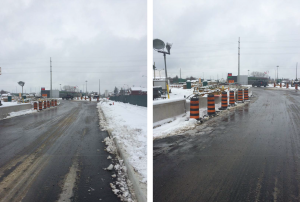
(87, 40)
(205, 37)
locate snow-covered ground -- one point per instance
(128, 124)
(20, 113)
(6, 104)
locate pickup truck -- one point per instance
(67, 97)
(259, 83)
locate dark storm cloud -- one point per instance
(87, 40)
(205, 37)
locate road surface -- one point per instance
(251, 153)
(54, 155)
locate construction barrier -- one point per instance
(90, 98)
(194, 108)
(48, 104)
(287, 85)
(211, 105)
(45, 104)
(55, 102)
(81, 97)
(240, 95)
(97, 99)
(296, 86)
(52, 103)
(274, 85)
(35, 105)
(246, 97)
(280, 85)
(40, 105)
(231, 98)
(85, 98)
(224, 100)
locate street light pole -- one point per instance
(248, 72)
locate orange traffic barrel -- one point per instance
(90, 98)
(280, 85)
(81, 97)
(35, 105)
(52, 103)
(240, 95)
(55, 102)
(287, 85)
(211, 105)
(48, 104)
(97, 99)
(296, 86)
(274, 84)
(231, 98)
(85, 98)
(40, 105)
(246, 97)
(224, 100)
(194, 108)
(45, 104)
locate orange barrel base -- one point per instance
(224, 103)
(240, 95)
(246, 97)
(231, 98)
(45, 104)
(194, 108)
(211, 110)
(35, 105)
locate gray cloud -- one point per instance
(205, 37)
(87, 40)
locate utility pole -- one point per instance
(180, 74)
(296, 72)
(50, 78)
(99, 88)
(86, 86)
(277, 73)
(239, 63)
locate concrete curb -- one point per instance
(139, 193)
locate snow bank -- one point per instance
(20, 113)
(128, 124)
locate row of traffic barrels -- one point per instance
(211, 110)
(40, 105)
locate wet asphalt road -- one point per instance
(250, 153)
(53, 154)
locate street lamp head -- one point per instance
(168, 47)
(158, 44)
